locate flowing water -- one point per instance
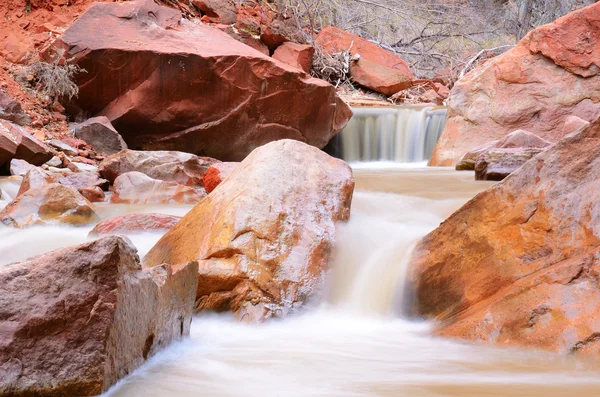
(356, 342)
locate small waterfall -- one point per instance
(397, 134)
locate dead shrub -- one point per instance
(53, 79)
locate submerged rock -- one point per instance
(518, 265)
(216, 173)
(183, 168)
(137, 188)
(76, 320)
(135, 223)
(549, 76)
(264, 237)
(190, 87)
(48, 204)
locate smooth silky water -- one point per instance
(355, 341)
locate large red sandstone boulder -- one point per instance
(297, 55)
(48, 204)
(135, 223)
(518, 265)
(216, 173)
(76, 320)
(377, 68)
(190, 87)
(264, 237)
(16, 142)
(99, 133)
(137, 188)
(516, 139)
(183, 168)
(549, 76)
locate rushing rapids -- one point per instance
(356, 343)
(397, 134)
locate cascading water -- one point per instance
(397, 134)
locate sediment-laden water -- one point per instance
(355, 342)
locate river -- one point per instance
(356, 342)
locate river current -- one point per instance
(353, 343)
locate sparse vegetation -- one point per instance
(53, 79)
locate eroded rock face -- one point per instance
(135, 223)
(76, 320)
(514, 140)
(377, 69)
(99, 133)
(222, 10)
(11, 110)
(192, 88)
(16, 142)
(183, 168)
(48, 204)
(137, 188)
(216, 173)
(547, 78)
(263, 238)
(518, 264)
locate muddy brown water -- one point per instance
(353, 342)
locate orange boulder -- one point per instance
(297, 55)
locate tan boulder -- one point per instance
(190, 87)
(37, 177)
(183, 168)
(297, 55)
(92, 193)
(137, 188)
(264, 237)
(518, 264)
(535, 86)
(497, 164)
(48, 204)
(76, 320)
(216, 173)
(135, 223)
(516, 139)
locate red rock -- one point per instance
(223, 10)
(99, 133)
(264, 237)
(518, 265)
(63, 147)
(28, 147)
(183, 168)
(8, 145)
(33, 179)
(48, 204)
(193, 88)
(137, 188)
(529, 87)
(76, 320)
(135, 223)
(299, 56)
(93, 194)
(278, 32)
(333, 40)
(442, 90)
(379, 78)
(216, 173)
(516, 139)
(11, 110)
(37, 177)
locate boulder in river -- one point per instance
(137, 188)
(135, 223)
(264, 237)
(183, 168)
(48, 204)
(550, 76)
(518, 265)
(497, 164)
(76, 320)
(37, 177)
(185, 86)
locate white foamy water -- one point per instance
(355, 343)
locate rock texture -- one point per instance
(518, 265)
(548, 77)
(135, 223)
(99, 133)
(37, 177)
(297, 55)
(377, 69)
(74, 321)
(183, 168)
(48, 204)
(16, 142)
(497, 164)
(137, 188)
(11, 110)
(223, 11)
(190, 87)
(216, 173)
(263, 238)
